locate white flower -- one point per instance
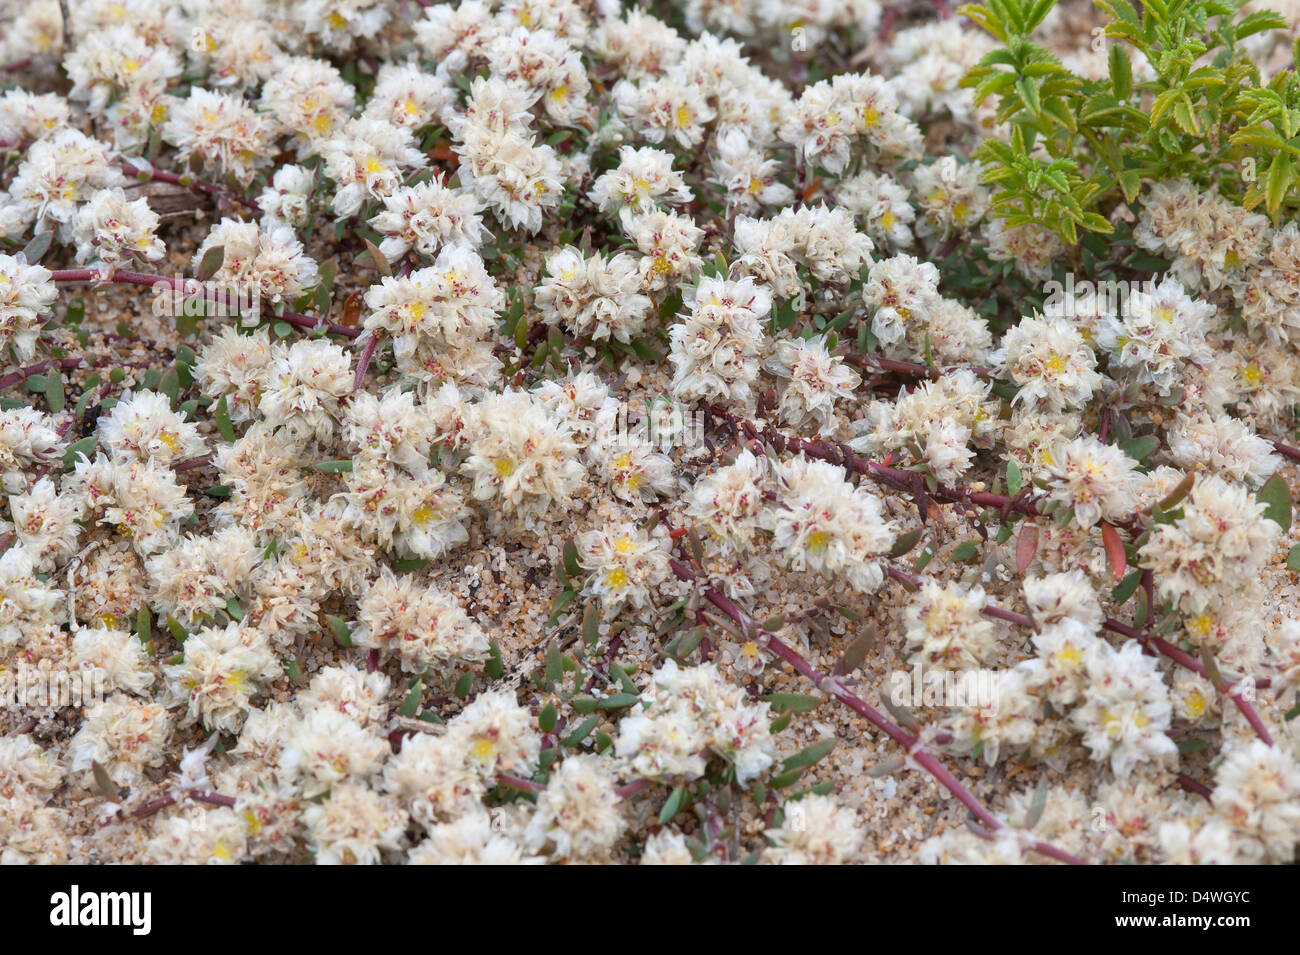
(1099, 481)
(354, 826)
(1257, 792)
(258, 264)
(498, 736)
(1051, 363)
(1220, 544)
(328, 747)
(1158, 331)
(26, 294)
(1223, 445)
(945, 623)
(287, 200)
(405, 95)
(223, 132)
(824, 524)
(110, 230)
(815, 832)
(1126, 709)
(422, 625)
(143, 425)
(124, 735)
(902, 290)
(366, 160)
(305, 386)
(715, 348)
(426, 217)
(642, 179)
(594, 297)
(578, 814)
(746, 174)
(310, 98)
(28, 438)
(623, 565)
(813, 379)
(522, 456)
(221, 671)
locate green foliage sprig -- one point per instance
(1078, 147)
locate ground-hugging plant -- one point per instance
(537, 432)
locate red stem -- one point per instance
(189, 182)
(212, 295)
(834, 687)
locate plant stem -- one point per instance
(832, 686)
(211, 295)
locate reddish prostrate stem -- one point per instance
(914, 369)
(835, 688)
(157, 175)
(1194, 786)
(634, 787)
(1185, 659)
(212, 295)
(1287, 450)
(523, 785)
(24, 373)
(896, 478)
(214, 799)
(903, 481)
(363, 363)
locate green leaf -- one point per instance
(464, 685)
(35, 250)
(581, 731)
(1275, 495)
(793, 702)
(547, 717)
(1139, 449)
(144, 626)
(210, 264)
(1013, 478)
(808, 756)
(411, 704)
(224, 424)
(673, 805)
(495, 667)
(616, 701)
(103, 780)
(78, 448)
(1121, 72)
(1278, 184)
(571, 565)
(378, 259)
(1293, 558)
(178, 632)
(341, 632)
(54, 392)
(340, 466)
